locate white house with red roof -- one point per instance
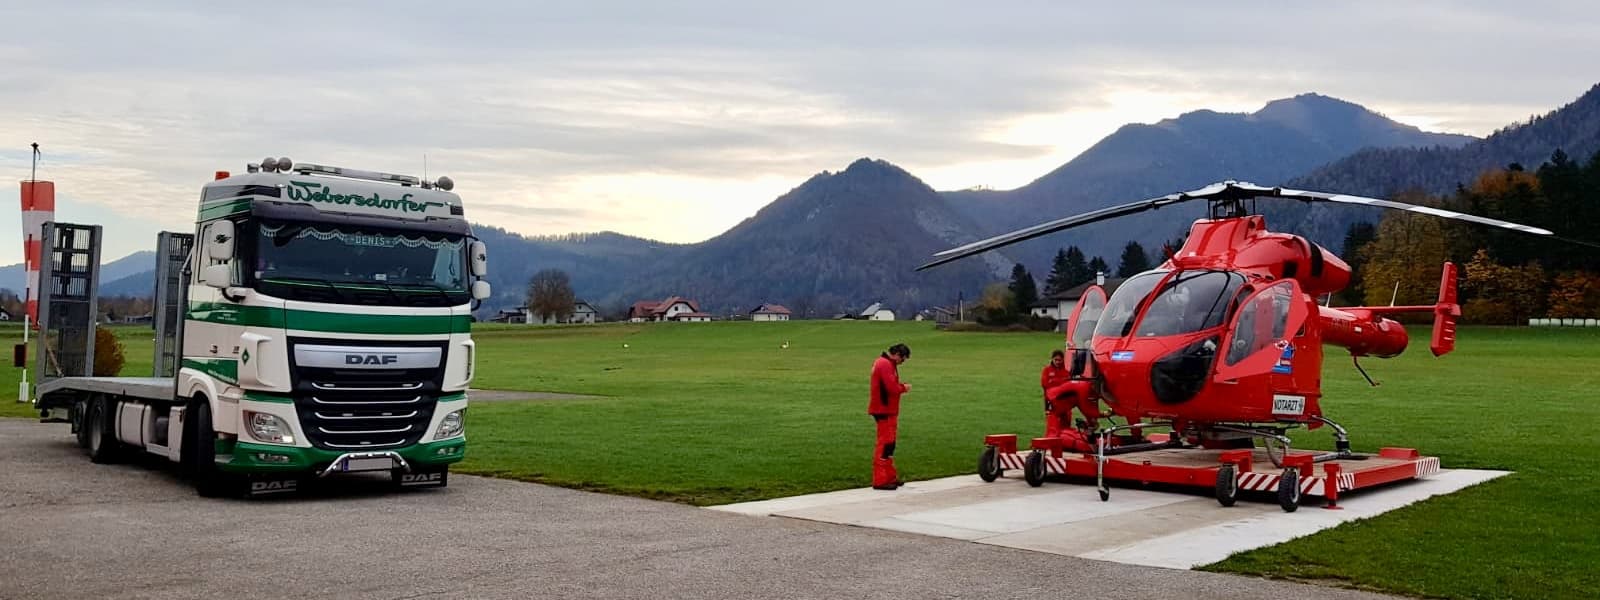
(770, 312)
(673, 308)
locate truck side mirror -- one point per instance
(480, 259)
(480, 290)
(217, 276)
(219, 241)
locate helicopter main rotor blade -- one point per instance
(1021, 235)
(1426, 210)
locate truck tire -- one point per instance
(209, 481)
(80, 427)
(104, 447)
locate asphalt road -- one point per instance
(72, 529)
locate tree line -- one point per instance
(1507, 277)
(1004, 303)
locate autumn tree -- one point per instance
(550, 295)
(995, 306)
(107, 353)
(1499, 294)
(1575, 295)
(1403, 260)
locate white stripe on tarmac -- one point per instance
(1136, 526)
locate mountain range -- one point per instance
(841, 240)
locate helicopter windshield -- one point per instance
(1190, 301)
(1117, 320)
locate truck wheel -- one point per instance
(209, 481)
(80, 427)
(1227, 485)
(104, 447)
(1033, 469)
(989, 464)
(1289, 490)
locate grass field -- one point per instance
(718, 412)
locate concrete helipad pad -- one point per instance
(1164, 529)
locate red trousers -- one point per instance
(883, 472)
(1059, 402)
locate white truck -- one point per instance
(326, 331)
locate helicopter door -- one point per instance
(1080, 326)
(1261, 331)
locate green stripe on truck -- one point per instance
(225, 369)
(307, 320)
(245, 457)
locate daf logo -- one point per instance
(371, 359)
(419, 477)
(272, 486)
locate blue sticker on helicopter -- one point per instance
(1122, 356)
(1285, 365)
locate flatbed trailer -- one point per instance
(1160, 460)
(158, 389)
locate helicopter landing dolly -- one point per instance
(1231, 474)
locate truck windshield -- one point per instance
(321, 262)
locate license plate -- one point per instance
(382, 463)
(1288, 405)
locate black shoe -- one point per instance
(899, 483)
(888, 486)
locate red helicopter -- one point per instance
(1221, 345)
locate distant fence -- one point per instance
(1564, 322)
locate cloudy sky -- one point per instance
(675, 120)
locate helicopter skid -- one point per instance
(1253, 468)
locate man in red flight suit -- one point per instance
(885, 410)
(1061, 394)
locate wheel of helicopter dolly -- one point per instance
(1289, 490)
(989, 464)
(1033, 469)
(1227, 485)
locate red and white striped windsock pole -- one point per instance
(38, 208)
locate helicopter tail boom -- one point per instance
(1364, 330)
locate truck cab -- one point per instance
(326, 330)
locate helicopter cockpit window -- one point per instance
(1117, 320)
(1189, 302)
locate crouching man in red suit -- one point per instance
(885, 410)
(1062, 394)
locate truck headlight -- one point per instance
(451, 425)
(268, 428)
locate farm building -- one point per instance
(1059, 306)
(582, 312)
(770, 312)
(673, 308)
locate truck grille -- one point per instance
(362, 409)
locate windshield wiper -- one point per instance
(443, 293)
(290, 278)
